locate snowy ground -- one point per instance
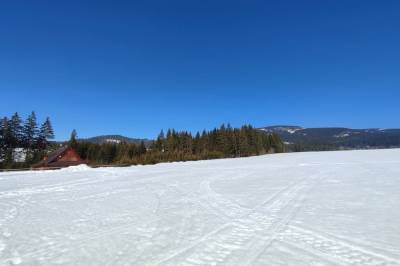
(326, 208)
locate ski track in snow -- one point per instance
(326, 208)
(344, 251)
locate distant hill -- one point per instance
(298, 138)
(115, 139)
(335, 138)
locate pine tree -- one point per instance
(48, 129)
(73, 143)
(142, 148)
(4, 138)
(108, 153)
(132, 150)
(159, 143)
(93, 153)
(16, 130)
(30, 132)
(7, 142)
(196, 144)
(2, 142)
(45, 134)
(244, 147)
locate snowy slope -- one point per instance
(327, 208)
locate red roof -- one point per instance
(63, 157)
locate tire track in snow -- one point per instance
(354, 242)
(216, 246)
(78, 243)
(11, 211)
(219, 204)
(267, 237)
(60, 187)
(334, 248)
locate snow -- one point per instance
(292, 131)
(325, 208)
(76, 168)
(19, 155)
(113, 141)
(342, 135)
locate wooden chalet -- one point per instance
(63, 157)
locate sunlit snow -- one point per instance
(325, 208)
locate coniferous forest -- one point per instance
(24, 137)
(224, 142)
(33, 140)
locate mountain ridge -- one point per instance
(298, 138)
(114, 139)
(330, 138)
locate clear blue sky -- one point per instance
(134, 67)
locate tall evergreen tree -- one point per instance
(73, 143)
(159, 143)
(48, 129)
(5, 136)
(16, 128)
(8, 139)
(108, 153)
(30, 132)
(45, 134)
(2, 142)
(142, 148)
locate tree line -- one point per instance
(33, 139)
(27, 136)
(222, 142)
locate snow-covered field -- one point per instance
(326, 208)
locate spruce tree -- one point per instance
(48, 129)
(1, 140)
(7, 142)
(142, 148)
(16, 128)
(196, 144)
(108, 153)
(45, 134)
(4, 138)
(30, 132)
(73, 143)
(159, 143)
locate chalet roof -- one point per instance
(53, 161)
(53, 156)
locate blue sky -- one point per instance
(134, 67)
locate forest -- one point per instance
(25, 142)
(222, 142)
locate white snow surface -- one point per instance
(325, 208)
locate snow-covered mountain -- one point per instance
(115, 139)
(337, 137)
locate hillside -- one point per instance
(115, 139)
(336, 138)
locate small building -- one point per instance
(63, 157)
